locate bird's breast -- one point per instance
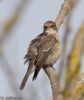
(54, 55)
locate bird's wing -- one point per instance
(37, 39)
(45, 48)
(33, 47)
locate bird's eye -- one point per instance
(45, 27)
(52, 26)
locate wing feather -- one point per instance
(45, 49)
(33, 48)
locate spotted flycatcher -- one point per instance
(43, 51)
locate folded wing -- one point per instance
(44, 49)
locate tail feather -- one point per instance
(26, 61)
(24, 81)
(36, 73)
(26, 58)
(29, 71)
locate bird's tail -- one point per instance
(29, 71)
(36, 73)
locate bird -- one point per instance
(43, 51)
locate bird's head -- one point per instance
(50, 25)
(50, 28)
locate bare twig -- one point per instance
(63, 55)
(56, 89)
(66, 7)
(65, 38)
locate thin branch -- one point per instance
(65, 38)
(65, 9)
(56, 89)
(63, 55)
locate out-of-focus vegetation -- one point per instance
(73, 65)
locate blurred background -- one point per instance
(20, 22)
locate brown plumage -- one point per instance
(44, 50)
